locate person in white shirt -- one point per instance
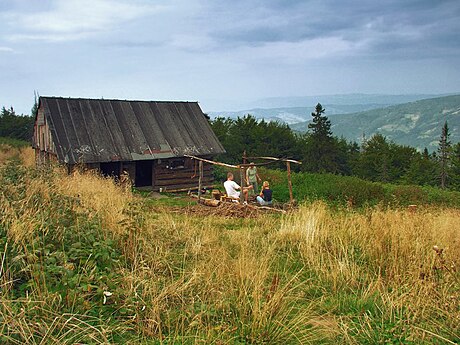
(231, 188)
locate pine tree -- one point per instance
(321, 126)
(422, 170)
(444, 151)
(375, 159)
(15, 126)
(454, 181)
(321, 152)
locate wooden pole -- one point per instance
(288, 165)
(276, 159)
(212, 162)
(199, 179)
(241, 186)
(254, 164)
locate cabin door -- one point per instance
(143, 173)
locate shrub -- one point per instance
(16, 143)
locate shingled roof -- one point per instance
(102, 130)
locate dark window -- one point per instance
(176, 164)
(110, 169)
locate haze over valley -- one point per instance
(413, 120)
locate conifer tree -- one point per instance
(321, 126)
(454, 181)
(422, 170)
(321, 152)
(444, 155)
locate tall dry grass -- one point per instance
(101, 195)
(395, 245)
(38, 208)
(408, 259)
(314, 276)
(27, 156)
(7, 152)
(198, 279)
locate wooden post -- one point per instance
(241, 186)
(243, 176)
(199, 179)
(288, 165)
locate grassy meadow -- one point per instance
(85, 261)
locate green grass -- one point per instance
(165, 199)
(14, 142)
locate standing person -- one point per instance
(231, 188)
(265, 196)
(252, 177)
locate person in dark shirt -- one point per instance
(265, 196)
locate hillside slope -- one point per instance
(293, 115)
(417, 124)
(292, 110)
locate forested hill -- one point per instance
(294, 115)
(417, 124)
(293, 110)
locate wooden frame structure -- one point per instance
(241, 168)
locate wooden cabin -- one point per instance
(145, 139)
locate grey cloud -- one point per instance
(242, 48)
(403, 28)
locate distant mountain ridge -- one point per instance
(293, 115)
(417, 124)
(221, 107)
(340, 99)
(293, 110)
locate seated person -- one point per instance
(265, 196)
(231, 188)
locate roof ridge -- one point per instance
(115, 99)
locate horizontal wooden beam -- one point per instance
(254, 164)
(239, 166)
(213, 162)
(276, 159)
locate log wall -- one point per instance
(43, 142)
(180, 173)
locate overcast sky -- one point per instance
(223, 53)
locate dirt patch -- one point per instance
(224, 210)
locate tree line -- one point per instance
(15, 126)
(376, 158)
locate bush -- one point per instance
(17, 143)
(57, 253)
(353, 191)
(407, 195)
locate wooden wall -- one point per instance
(170, 174)
(180, 173)
(45, 151)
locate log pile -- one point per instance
(234, 209)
